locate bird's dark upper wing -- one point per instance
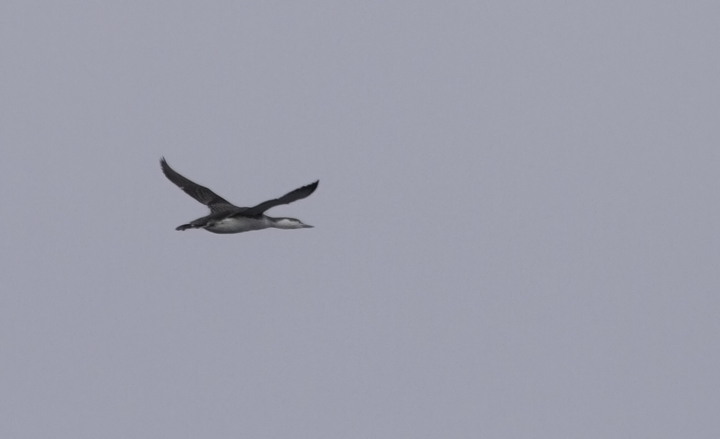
(200, 193)
(297, 194)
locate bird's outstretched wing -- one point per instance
(204, 195)
(297, 194)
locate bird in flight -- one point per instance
(227, 218)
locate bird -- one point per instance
(225, 217)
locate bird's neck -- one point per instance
(285, 223)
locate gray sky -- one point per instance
(516, 228)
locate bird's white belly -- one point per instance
(238, 225)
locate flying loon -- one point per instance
(227, 218)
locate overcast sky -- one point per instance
(516, 228)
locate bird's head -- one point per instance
(290, 223)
